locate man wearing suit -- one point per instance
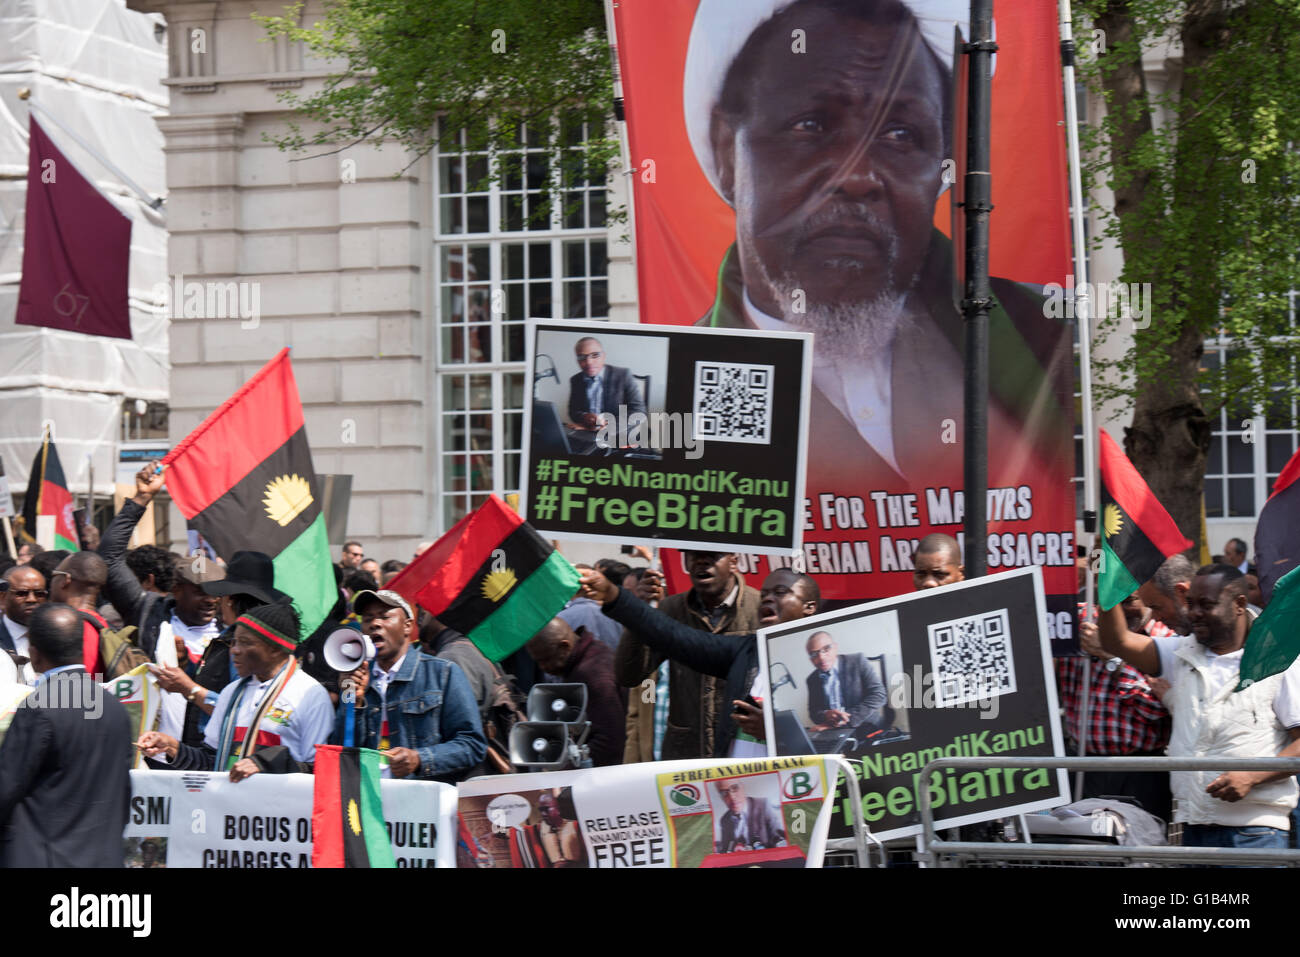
(598, 390)
(25, 592)
(65, 786)
(749, 823)
(844, 691)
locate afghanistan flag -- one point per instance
(491, 578)
(47, 494)
(1137, 533)
(1277, 534)
(347, 815)
(245, 481)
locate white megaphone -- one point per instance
(347, 649)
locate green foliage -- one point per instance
(1218, 248)
(496, 75)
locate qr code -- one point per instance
(970, 658)
(733, 402)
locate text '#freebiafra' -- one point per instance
(667, 510)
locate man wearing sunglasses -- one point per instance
(598, 390)
(24, 592)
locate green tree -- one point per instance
(501, 71)
(1207, 210)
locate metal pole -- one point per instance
(1091, 505)
(978, 296)
(620, 116)
(153, 202)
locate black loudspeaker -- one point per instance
(565, 703)
(540, 745)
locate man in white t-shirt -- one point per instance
(1211, 719)
(270, 720)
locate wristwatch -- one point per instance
(193, 691)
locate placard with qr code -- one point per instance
(694, 438)
(959, 671)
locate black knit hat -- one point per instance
(277, 623)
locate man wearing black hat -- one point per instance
(270, 720)
(417, 709)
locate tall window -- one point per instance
(504, 255)
(1250, 446)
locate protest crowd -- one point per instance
(667, 677)
(776, 459)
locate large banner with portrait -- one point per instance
(689, 437)
(792, 169)
(759, 813)
(959, 671)
(201, 819)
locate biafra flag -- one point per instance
(1277, 533)
(1138, 534)
(491, 578)
(347, 814)
(245, 481)
(47, 494)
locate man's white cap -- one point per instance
(723, 26)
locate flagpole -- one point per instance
(154, 202)
(1091, 505)
(620, 116)
(9, 539)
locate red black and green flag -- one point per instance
(347, 815)
(1277, 534)
(1273, 643)
(492, 578)
(244, 479)
(47, 494)
(1137, 533)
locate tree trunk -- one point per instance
(1169, 439)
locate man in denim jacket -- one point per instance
(416, 708)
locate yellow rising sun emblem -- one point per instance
(498, 583)
(286, 497)
(354, 816)
(1112, 520)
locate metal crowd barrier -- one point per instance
(861, 833)
(942, 853)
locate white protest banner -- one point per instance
(201, 819)
(767, 812)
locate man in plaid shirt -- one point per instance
(1125, 716)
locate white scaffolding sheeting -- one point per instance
(98, 68)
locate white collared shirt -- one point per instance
(21, 645)
(860, 387)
